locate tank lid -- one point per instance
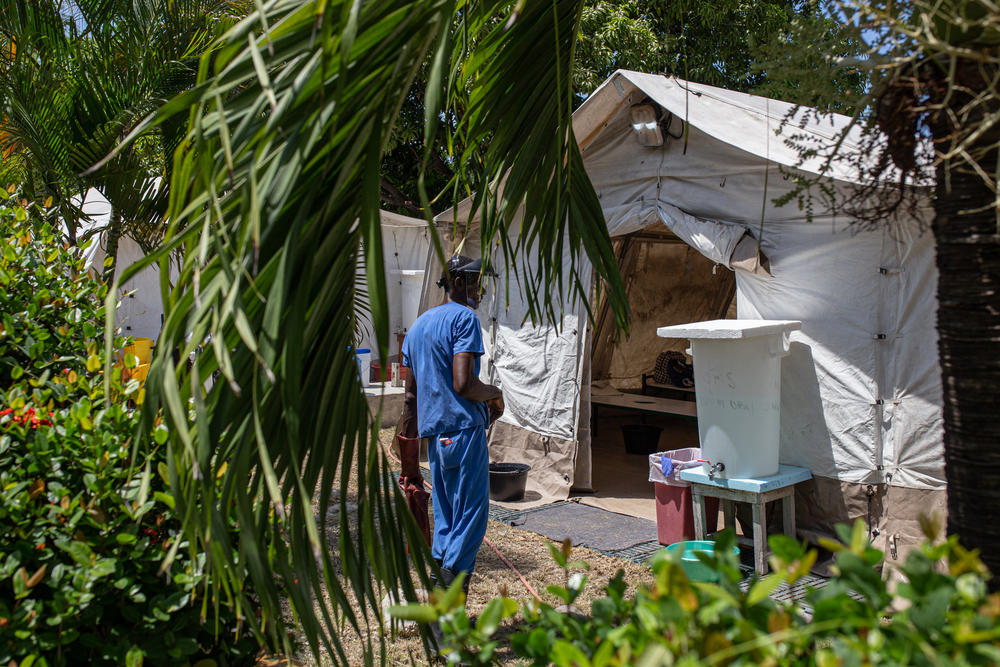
(728, 329)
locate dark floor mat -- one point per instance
(513, 516)
(589, 527)
(637, 553)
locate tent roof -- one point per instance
(396, 220)
(751, 123)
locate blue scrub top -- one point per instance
(428, 350)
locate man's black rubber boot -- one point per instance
(437, 634)
(465, 589)
(437, 639)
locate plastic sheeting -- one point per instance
(540, 369)
(666, 467)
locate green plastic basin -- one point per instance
(694, 568)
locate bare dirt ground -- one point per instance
(525, 550)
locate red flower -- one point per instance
(28, 418)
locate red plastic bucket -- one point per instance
(675, 514)
(379, 375)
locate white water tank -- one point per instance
(737, 385)
(364, 365)
(412, 283)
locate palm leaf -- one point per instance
(521, 102)
(274, 196)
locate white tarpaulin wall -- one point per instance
(541, 371)
(861, 392)
(405, 244)
(140, 311)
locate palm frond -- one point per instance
(296, 153)
(521, 104)
(274, 197)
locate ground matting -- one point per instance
(589, 527)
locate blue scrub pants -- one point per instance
(460, 473)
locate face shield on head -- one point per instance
(471, 271)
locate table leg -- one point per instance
(698, 509)
(788, 515)
(728, 514)
(759, 538)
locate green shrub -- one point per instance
(85, 528)
(948, 619)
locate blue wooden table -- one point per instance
(757, 492)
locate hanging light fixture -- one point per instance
(646, 126)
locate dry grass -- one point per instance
(525, 550)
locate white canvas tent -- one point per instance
(405, 243)
(861, 392)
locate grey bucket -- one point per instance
(507, 481)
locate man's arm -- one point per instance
(407, 426)
(465, 382)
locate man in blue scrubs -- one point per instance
(448, 404)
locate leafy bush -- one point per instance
(949, 618)
(84, 528)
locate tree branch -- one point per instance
(390, 194)
(436, 163)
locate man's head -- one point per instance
(462, 280)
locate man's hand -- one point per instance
(496, 407)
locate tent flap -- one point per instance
(715, 240)
(747, 256)
(551, 460)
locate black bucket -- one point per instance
(507, 481)
(641, 439)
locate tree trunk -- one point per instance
(968, 260)
(114, 235)
(71, 226)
